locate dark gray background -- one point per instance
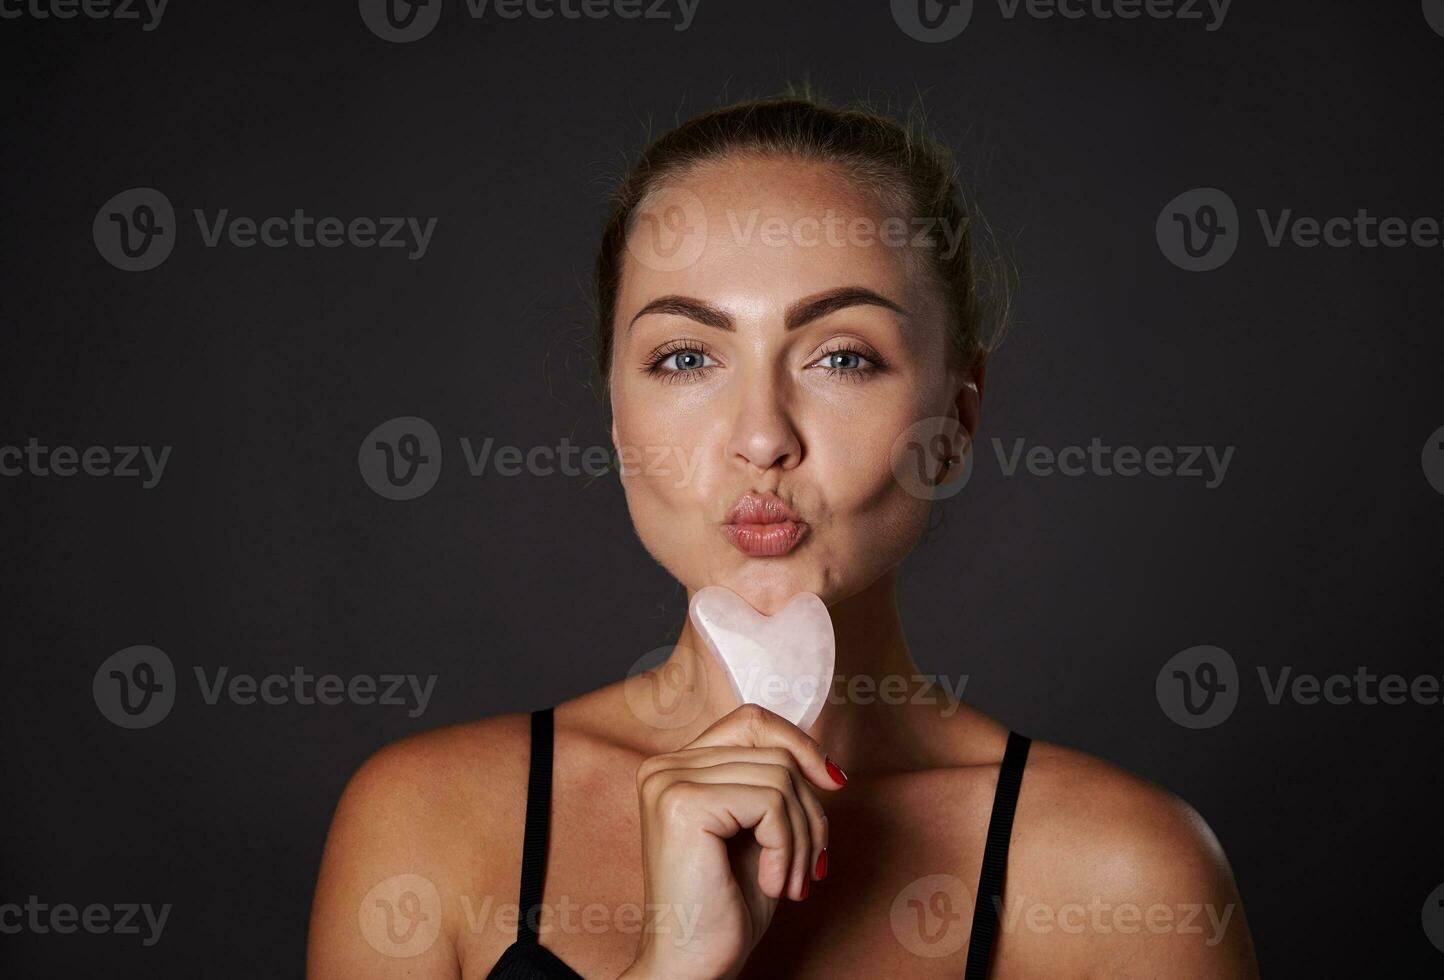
(263, 549)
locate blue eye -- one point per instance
(686, 360)
(677, 362)
(843, 359)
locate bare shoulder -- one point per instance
(419, 825)
(1112, 875)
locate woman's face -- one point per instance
(773, 340)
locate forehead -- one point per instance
(760, 232)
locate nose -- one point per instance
(763, 433)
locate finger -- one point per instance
(784, 778)
(754, 725)
(726, 809)
(713, 756)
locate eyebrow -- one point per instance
(799, 314)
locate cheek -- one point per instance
(852, 468)
(666, 451)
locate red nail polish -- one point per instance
(821, 870)
(806, 887)
(838, 776)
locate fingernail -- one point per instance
(806, 887)
(821, 870)
(838, 776)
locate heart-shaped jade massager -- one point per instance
(783, 662)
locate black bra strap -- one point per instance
(995, 857)
(538, 820)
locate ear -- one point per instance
(970, 395)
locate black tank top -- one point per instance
(528, 959)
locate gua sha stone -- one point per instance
(783, 662)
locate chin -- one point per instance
(767, 583)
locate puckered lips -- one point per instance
(763, 525)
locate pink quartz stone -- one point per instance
(783, 662)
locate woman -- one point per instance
(787, 297)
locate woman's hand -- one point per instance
(712, 896)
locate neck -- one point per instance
(862, 722)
